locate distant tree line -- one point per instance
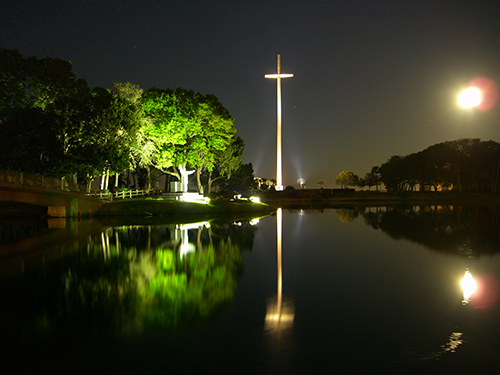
(467, 165)
(464, 165)
(52, 123)
(372, 179)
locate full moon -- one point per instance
(470, 97)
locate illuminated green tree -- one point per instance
(227, 162)
(189, 130)
(346, 179)
(208, 148)
(142, 147)
(172, 122)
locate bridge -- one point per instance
(60, 196)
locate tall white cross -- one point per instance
(279, 181)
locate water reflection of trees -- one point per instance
(128, 279)
(347, 215)
(461, 230)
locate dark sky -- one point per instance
(372, 78)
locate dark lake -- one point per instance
(374, 291)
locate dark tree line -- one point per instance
(52, 123)
(465, 165)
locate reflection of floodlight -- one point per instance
(280, 313)
(468, 286)
(254, 221)
(181, 233)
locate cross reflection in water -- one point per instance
(280, 313)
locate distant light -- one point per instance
(255, 199)
(470, 97)
(193, 198)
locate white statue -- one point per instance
(184, 178)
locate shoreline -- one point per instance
(153, 207)
(370, 199)
(143, 207)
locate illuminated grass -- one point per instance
(143, 207)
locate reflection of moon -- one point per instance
(454, 341)
(470, 97)
(468, 286)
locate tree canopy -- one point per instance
(464, 165)
(53, 123)
(190, 130)
(346, 179)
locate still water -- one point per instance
(373, 291)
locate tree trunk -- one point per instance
(89, 184)
(209, 183)
(198, 180)
(107, 179)
(149, 177)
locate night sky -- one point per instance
(372, 78)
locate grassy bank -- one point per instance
(151, 207)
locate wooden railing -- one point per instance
(120, 194)
(20, 178)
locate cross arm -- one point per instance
(278, 75)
